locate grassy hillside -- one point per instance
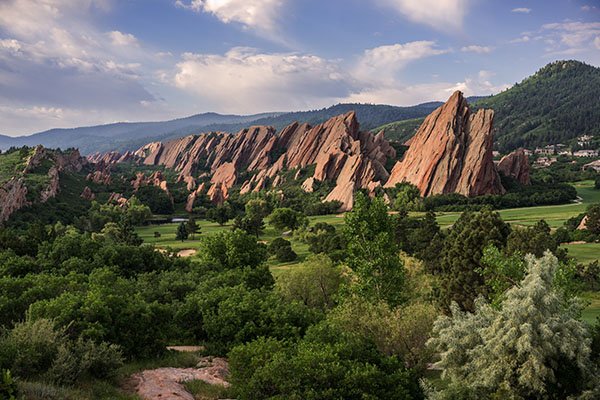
(555, 105)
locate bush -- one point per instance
(282, 250)
(8, 386)
(327, 363)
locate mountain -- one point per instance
(123, 134)
(129, 136)
(555, 105)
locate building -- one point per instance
(586, 153)
(543, 162)
(594, 165)
(547, 150)
(585, 140)
(565, 153)
(527, 152)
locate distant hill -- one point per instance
(128, 136)
(108, 137)
(555, 105)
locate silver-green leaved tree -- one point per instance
(532, 347)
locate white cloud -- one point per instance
(244, 80)
(419, 93)
(477, 49)
(122, 39)
(521, 10)
(261, 15)
(597, 42)
(444, 15)
(522, 39)
(381, 64)
(570, 37)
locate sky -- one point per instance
(67, 63)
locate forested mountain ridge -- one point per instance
(555, 105)
(128, 136)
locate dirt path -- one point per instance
(167, 383)
(186, 252)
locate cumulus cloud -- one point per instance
(444, 15)
(246, 80)
(381, 64)
(477, 49)
(122, 39)
(521, 10)
(260, 15)
(570, 37)
(53, 59)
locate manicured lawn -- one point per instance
(593, 310)
(584, 252)
(168, 231)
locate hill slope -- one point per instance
(555, 105)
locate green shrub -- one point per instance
(282, 250)
(8, 386)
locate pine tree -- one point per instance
(192, 227)
(182, 233)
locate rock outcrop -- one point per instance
(41, 161)
(451, 153)
(13, 197)
(516, 165)
(87, 194)
(339, 151)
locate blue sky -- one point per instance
(67, 63)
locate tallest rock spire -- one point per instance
(451, 153)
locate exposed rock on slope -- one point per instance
(14, 193)
(451, 153)
(340, 152)
(516, 165)
(13, 197)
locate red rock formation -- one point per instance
(101, 177)
(451, 153)
(337, 148)
(117, 199)
(53, 186)
(13, 197)
(516, 165)
(87, 194)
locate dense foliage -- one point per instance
(527, 115)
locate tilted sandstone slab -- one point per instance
(516, 165)
(451, 153)
(337, 148)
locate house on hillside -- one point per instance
(547, 150)
(594, 165)
(584, 140)
(544, 162)
(586, 153)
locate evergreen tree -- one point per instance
(460, 262)
(192, 227)
(593, 219)
(182, 233)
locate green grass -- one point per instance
(205, 391)
(10, 165)
(167, 238)
(593, 309)
(584, 252)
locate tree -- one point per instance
(159, 201)
(533, 347)
(373, 254)
(408, 197)
(597, 182)
(460, 260)
(593, 219)
(282, 250)
(315, 283)
(251, 224)
(532, 240)
(182, 232)
(258, 207)
(282, 218)
(220, 214)
(192, 227)
(233, 249)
